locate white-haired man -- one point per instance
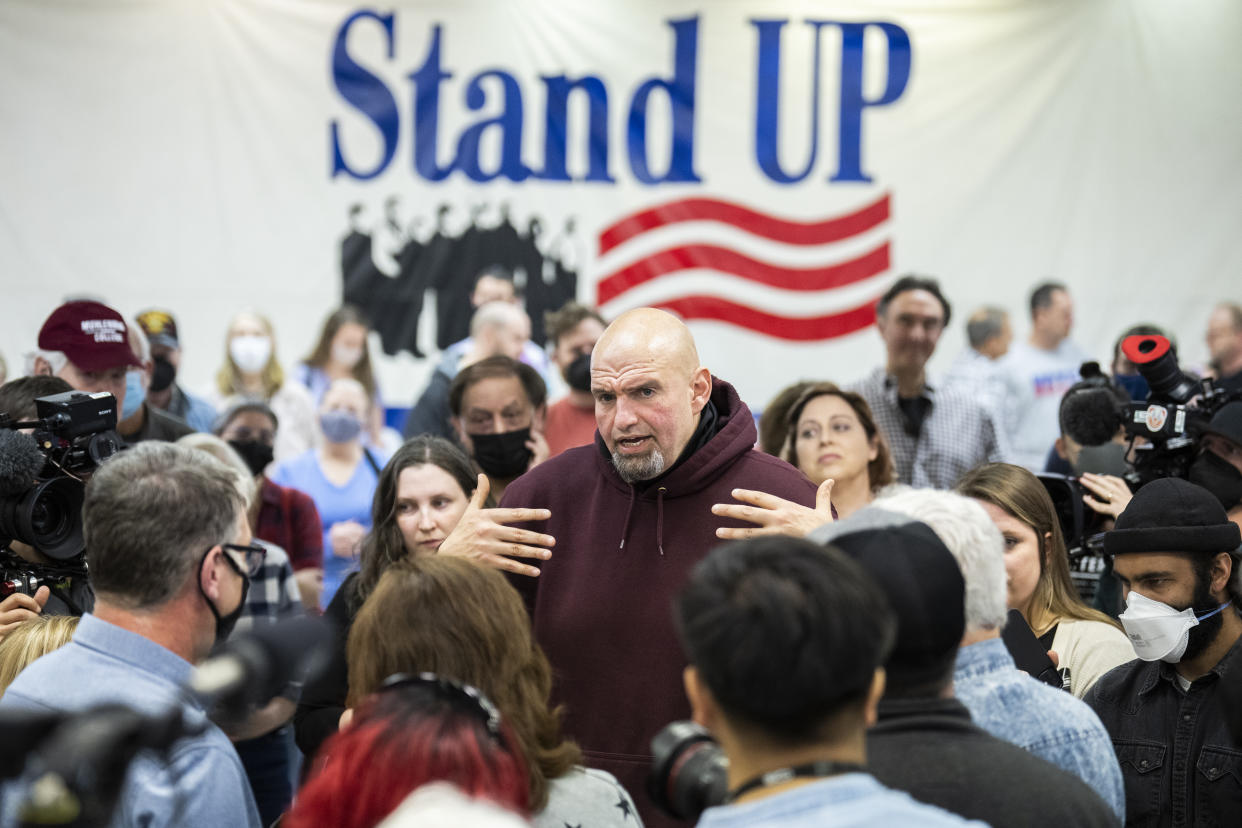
(1003, 700)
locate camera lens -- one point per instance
(49, 517)
(689, 772)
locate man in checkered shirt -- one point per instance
(935, 433)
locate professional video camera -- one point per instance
(689, 771)
(41, 485)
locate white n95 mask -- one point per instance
(1157, 631)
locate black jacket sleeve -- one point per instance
(323, 698)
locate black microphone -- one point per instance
(255, 666)
(20, 462)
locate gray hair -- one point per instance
(222, 451)
(985, 323)
(150, 515)
(496, 315)
(56, 360)
(977, 546)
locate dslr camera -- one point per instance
(41, 475)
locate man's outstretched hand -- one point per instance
(482, 536)
(774, 515)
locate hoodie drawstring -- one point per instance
(660, 519)
(625, 527)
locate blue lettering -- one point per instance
(556, 128)
(427, 80)
(849, 146)
(367, 93)
(680, 91)
(509, 122)
(768, 102)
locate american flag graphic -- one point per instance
(710, 259)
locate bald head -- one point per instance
(649, 391)
(648, 333)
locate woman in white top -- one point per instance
(1087, 642)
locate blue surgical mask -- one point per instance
(340, 426)
(1134, 384)
(135, 393)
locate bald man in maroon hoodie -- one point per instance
(631, 515)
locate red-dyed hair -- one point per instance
(401, 739)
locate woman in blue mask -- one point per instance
(1087, 642)
(340, 476)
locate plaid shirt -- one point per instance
(273, 594)
(958, 432)
(288, 519)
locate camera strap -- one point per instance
(781, 775)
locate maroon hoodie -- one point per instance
(602, 607)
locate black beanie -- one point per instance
(1172, 515)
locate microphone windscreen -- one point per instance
(1091, 416)
(20, 462)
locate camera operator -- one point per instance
(1218, 468)
(785, 607)
(88, 345)
(170, 554)
(62, 586)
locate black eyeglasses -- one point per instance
(451, 690)
(251, 557)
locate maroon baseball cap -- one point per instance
(93, 336)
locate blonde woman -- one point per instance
(1086, 641)
(31, 639)
(252, 373)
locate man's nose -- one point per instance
(626, 416)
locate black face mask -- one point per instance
(258, 455)
(164, 375)
(1219, 477)
(578, 373)
(225, 623)
(502, 455)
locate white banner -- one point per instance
(764, 168)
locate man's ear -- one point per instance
(209, 576)
(703, 708)
(874, 694)
(1060, 447)
(42, 368)
(1220, 573)
(538, 419)
(700, 389)
(461, 435)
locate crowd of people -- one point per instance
(568, 549)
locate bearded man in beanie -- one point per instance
(1176, 555)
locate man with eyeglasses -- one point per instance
(935, 432)
(498, 407)
(170, 554)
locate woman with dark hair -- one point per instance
(415, 730)
(458, 619)
(1087, 642)
(427, 502)
(831, 434)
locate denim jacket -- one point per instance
(1049, 723)
(1181, 766)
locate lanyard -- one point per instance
(776, 777)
